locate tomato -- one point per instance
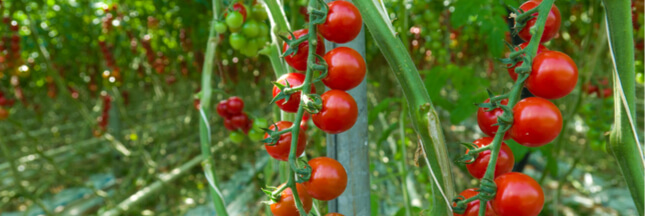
(255, 135)
(228, 124)
(220, 27)
(345, 68)
(536, 122)
(304, 122)
(237, 41)
(239, 7)
(554, 75)
(511, 70)
(505, 159)
(334, 214)
(551, 27)
(517, 194)
(260, 123)
(328, 179)
(234, 105)
(286, 206)
(486, 120)
(4, 114)
(234, 20)
(472, 209)
(240, 121)
(263, 31)
(590, 88)
(292, 104)
(250, 29)
(606, 93)
(343, 22)
(259, 12)
(280, 150)
(236, 137)
(338, 114)
(222, 108)
(299, 60)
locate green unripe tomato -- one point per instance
(260, 123)
(236, 136)
(259, 12)
(237, 41)
(250, 29)
(234, 20)
(256, 136)
(251, 48)
(640, 78)
(263, 30)
(220, 27)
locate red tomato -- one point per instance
(554, 75)
(328, 179)
(551, 27)
(505, 159)
(280, 150)
(299, 60)
(240, 121)
(606, 93)
(222, 108)
(511, 70)
(234, 105)
(4, 114)
(536, 122)
(294, 79)
(472, 209)
(240, 8)
(338, 114)
(486, 120)
(228, 124)
(345, 68)
(343, 22)
(517, 194)
(334, 214)
(286, 206)
(590, 88)
(304, 121)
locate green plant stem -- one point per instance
(423, 115)
(623, 143)
(204, 128)
(514, 96)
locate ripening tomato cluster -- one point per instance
(249, 30)
(105, 115)
(110, 61)
(10, 58)
(602, 88)
(234, 119)
(536, 122)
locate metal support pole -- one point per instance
(350, 148)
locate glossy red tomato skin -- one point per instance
(328, 179)
(517, 194)
(551, 27)
(536, 122)
(338, 114)
(553, 75)
(240, 7)
(280, 150)
(299, 60)
(240, 121)
(505, 159)
(235, 105)
(286, 206)
(343, 23)
(222, 108)
(486, 120)
(294, 79)
(228, 124)
(345, 68)
(472, 209)
(511, 70)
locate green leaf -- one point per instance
(518, 150)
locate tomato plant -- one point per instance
(286, 205)
(517, 194)
(505, 159)
(511, 69)
(293, 102)
(472, 209)
(487, 119)
(338, 114)
(328, 179)
(551, 27)
(298, 60)
(280, 149)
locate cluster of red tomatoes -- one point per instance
(4, 103)
(10, 58)
(105, 115)
(536, 122)
(345, 70)
(602, 88)
(238, 122)
(249, 31)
